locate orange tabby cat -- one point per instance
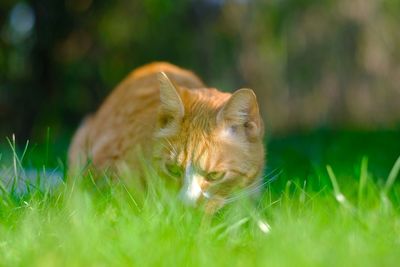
(211, 141)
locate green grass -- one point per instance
(335, 203)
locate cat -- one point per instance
(210, 141)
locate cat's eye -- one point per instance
(173, 170)
(214, 176)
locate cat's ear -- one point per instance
(171, 105)
(241, 112)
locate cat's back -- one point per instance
(142, 83)
(127, 116)
(183, 76)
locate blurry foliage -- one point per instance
(312, 63)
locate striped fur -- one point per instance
(167, 114)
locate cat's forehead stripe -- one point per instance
(203, 157)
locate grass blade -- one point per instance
(392, 176)
(363, 179)
(336, 189)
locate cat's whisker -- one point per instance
(256, 185)
(273, 173)
(173, 149)
(165, 147)
(251, 189)
(169, 148)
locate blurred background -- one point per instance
(314, 64)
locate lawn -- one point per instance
(330, 199)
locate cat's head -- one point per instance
(210, 142)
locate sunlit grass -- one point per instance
(330, 218)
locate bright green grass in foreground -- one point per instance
(346, 214)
